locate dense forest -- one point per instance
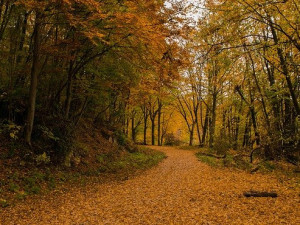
(203, 94)
(65, 63)
(148, 70)
(242, 89)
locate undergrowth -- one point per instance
(142, 159)
(243, 163)
(19, 184)
(238, 160)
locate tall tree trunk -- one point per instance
(145, 118)
(205, 127)
(153, 131)
(34, 79)
(251, 110)
(5, 16)
(145, 130)
(213, 121)
(259, 90)
(133, 131)
(276, 128)
(198, 129)
(23, 35)
(289, 128)
(285, 69)
(192, 134)
(162, 138)
(69, 90)
(20, 80)
(236, 132)
(127, 127)
(152, 114)
(159, 123)
(254, 122)
(246, 141)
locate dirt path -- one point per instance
(181, 190)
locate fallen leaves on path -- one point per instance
(181, 190)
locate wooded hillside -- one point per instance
(67, 62)
(141, 69)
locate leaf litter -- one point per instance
(180, 190)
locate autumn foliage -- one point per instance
(218, 73)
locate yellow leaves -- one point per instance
(181, 190)
(32, 4)
(94, 35)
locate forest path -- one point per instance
(180, 190)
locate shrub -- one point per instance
(4, 203)
(42, 159)
(207, 160)
(221, 145)
(10, 129)
(125, 142)
(171, 140)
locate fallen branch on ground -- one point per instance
(260, 194)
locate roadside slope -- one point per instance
(181, 190)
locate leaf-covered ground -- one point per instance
(181, 190)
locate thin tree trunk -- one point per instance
(159, 123)
(192, 135)
(162, 139)
(145, 117)
(205, 128)
(276, 133)
(34, 79)
(145, 130)
(285, 69)
(133, 134)
(213, 121)
(259, 91)
(252, 112)
(253, 117)
(69, 90)
(127, 127)
(236, 132)
(153, 131)
(198, 129)
(246, 140)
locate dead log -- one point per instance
(212, 155)
(260, 194)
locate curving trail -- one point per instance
(181, 190)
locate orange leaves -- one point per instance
(181, 190)
(31, 4)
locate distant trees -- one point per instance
(247, 54)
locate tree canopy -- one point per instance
(223, 73)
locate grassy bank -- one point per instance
(240, 160)
(144, 158)
(20, 184)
